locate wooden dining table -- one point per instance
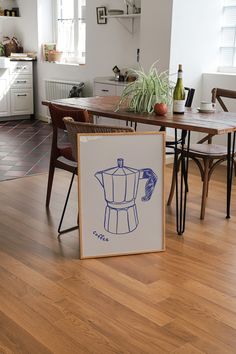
(217, 123)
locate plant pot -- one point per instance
(9, 48)
(54, 55)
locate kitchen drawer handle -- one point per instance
(23, 95)
(21, 81)
(20, 67)
(105, 90)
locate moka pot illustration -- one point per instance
(120, 184)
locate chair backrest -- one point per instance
(189, 99)
(73, 128)
(58, 113)
(218, 93)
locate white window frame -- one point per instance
(232, 68)
(67, 59)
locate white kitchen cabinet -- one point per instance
(16, 91)
(106, 86)
(4, 93)
(22, 81)
(119, 90)
(105, 89)
(21, 102)
(21, 67)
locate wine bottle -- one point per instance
(179, 94)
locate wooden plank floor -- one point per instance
(179, 301)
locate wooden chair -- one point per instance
(205, 154)
(73, 128)
(57, 152)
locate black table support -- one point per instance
(230, 165)
(182, 190)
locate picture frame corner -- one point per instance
(101, 11)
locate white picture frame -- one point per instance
(121, 193)
(46, 47)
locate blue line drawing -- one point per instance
(120, 185)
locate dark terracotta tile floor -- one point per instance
(25, 148)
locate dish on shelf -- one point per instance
(206, 110)
(115, 12)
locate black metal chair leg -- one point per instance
(60, 232)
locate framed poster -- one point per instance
(121, 193)
(46, 47)
(101, 12)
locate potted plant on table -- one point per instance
(150, 92)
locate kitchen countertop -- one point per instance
(22, 59)
(110, 81)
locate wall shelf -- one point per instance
(132, 16)
(130, 26)
(1, 17)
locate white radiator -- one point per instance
(56, 89)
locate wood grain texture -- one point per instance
(182, 301)
(214, 123)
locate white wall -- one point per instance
(195, 39)
(155, 36)
(7, 26)
(106, 46)
(26, 25)
(220, 80)
(24, 28)
(173, 31)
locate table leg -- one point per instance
(230, 165)
(181, 192)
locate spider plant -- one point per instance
(148, 89)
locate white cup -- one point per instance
(206, 106)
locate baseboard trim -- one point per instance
(45, 119)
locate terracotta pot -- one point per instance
(54, 55)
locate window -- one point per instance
(228, 36)
(70, 29)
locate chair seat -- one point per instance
(66, 152)
(208, 149)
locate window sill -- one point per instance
(61, 63)
(227, 70)
(220, 73)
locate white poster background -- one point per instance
(100, 152)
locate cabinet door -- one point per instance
(119, 90)
(21, 102)
(18, 67)
(21, 81)
(4, 95)
(104, 90)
